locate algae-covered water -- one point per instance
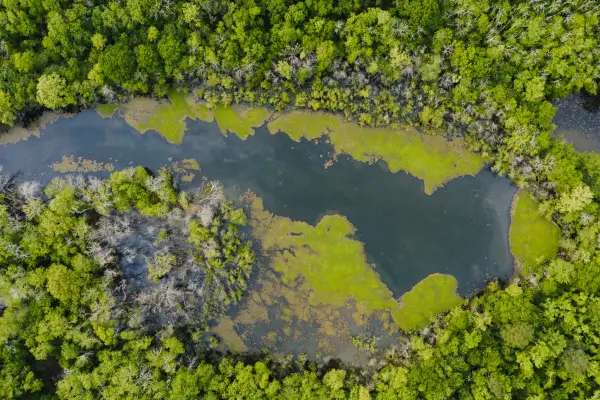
(460, 229)
(342, 241)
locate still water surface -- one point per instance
(578, 121)
(461, 229)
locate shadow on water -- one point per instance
(578, 120)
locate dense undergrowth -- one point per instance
(485, 70)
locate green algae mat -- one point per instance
(533, 239)
(432, 159)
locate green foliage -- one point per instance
(117, 63)
(483, 70)
(66, 299)
(52, 91)
(136, 188)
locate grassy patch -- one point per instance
(70, 164)
(305, 124)
(533, 239)
(431, 296)
(107, 110)
(169, 118)
(430, 158)
(240, 120)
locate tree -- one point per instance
(7, 113)
(63, 283)
(518, 335)
(52, 91)
(117, 63)
(575, 200)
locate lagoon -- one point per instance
(342, 242)
(460, 229)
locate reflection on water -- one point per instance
(578, 120)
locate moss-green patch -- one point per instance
(226, 331)
(430, 158)
(107, 110)
(186, 164)
(533, 239)
(70, 164)
(240, 120)
(317, 290)
(433, 295)
(167, 118)
(305, 124)
(184, 168)
(324, 260)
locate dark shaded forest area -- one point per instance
(73, 326)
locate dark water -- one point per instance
(462, 229)
(578, 121)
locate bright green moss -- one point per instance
(167, 118)
(533, 239)
(430, 158)
(305, 124)
(107, 110)
(240, 120)
(324, 260)
(433, 295)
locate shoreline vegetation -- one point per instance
(486, 72)
(430, 158)
(316, 278)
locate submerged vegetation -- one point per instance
(70, 164)
(484, 71)
(320, 292)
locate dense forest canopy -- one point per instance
(485, 70)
